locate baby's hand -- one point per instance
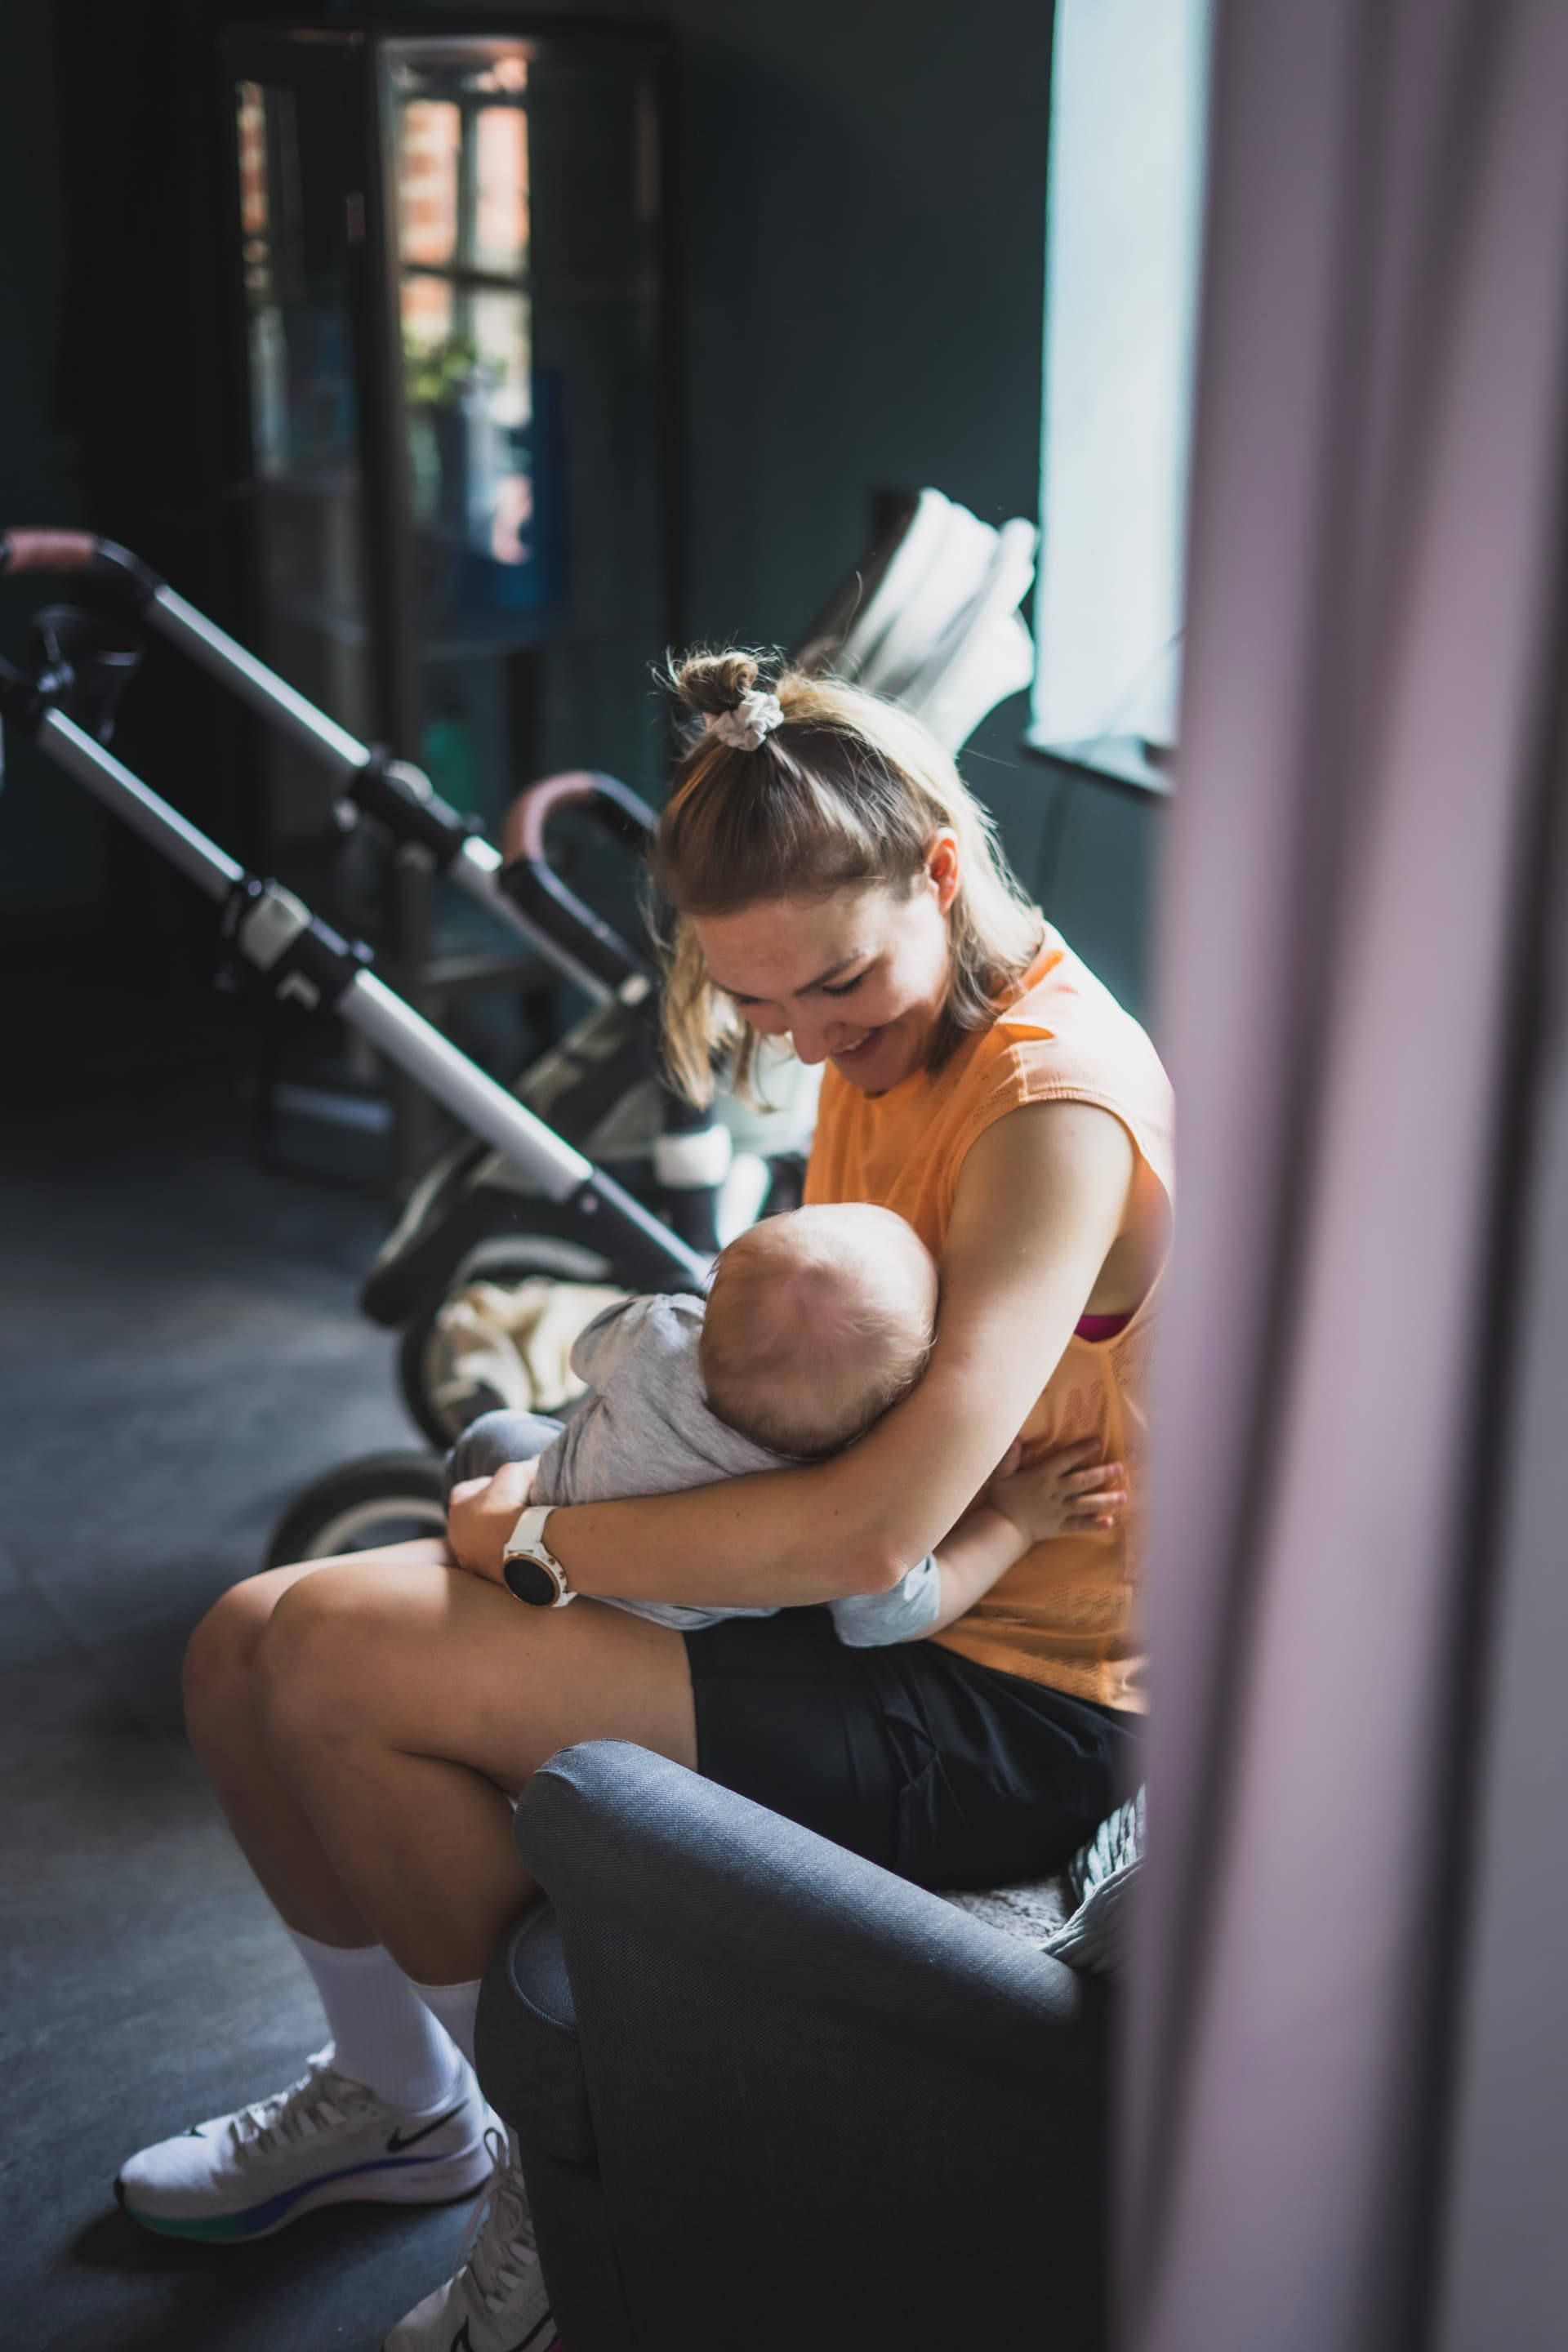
(1066, 1493)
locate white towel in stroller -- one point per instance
(516, 1339)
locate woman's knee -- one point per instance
(313, 1674)
(219, 1674)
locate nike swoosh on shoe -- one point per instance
(398, 2141)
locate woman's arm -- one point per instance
(1041, 1198)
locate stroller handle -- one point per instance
(45, 547)
(539, 893)
(394, 795)
(43, 550)
(615, 803)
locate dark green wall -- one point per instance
(863, 204)
(51, 843)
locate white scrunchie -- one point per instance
(750, 722)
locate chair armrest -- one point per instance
(634, 1851)
(526, 2045)
(821, 2105)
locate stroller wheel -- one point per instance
(440, 1397)
(382, 1499)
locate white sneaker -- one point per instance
(326, 2140)
(496, 2299)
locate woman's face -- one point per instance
(858, 978)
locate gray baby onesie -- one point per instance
(646, 1428)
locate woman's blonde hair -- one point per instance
(844, 789)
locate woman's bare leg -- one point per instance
(225, 1717)
(405, 1703)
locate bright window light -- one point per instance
(1123, 225)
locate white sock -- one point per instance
(455, 2006)
(384, 2035)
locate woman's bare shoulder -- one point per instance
(1045, 1158)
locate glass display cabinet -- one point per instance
(452, 295)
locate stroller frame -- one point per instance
(485, 1197)
(276, 937)
(371, 782)
(516, 885)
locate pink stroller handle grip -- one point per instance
(539, 893)
(42, 549)
(523, 833)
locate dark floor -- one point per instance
(179, 1352)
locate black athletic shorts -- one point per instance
(952, 1774)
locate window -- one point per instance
(463, 220)
(1128, 93)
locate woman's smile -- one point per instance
(855, 1050)
(880, 1058)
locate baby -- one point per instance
(814, 1324)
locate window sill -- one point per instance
(1123, 760)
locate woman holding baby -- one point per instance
(368, 1721)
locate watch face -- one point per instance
(529, 1581)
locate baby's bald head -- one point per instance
(816, 1323)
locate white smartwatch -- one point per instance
(529, 1569)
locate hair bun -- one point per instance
(712, 682)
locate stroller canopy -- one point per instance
(931, 620)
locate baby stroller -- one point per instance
(516, 1222)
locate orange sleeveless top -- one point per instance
(1065, 1614)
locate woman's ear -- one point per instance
(942, 870)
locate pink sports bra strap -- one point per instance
(1095, 1327)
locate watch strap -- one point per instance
(528, 1535)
